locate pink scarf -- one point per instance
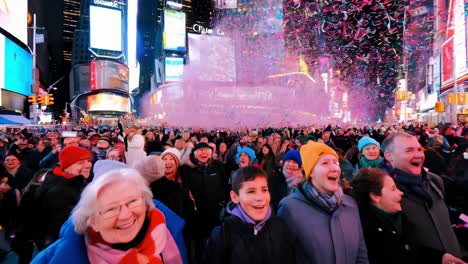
(158, 242)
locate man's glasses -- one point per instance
(114, 211)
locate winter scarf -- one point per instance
(327, 202)
(365, 163)
(59, 172)
(240, 213)
(293, 179)
(417, 184)
(101, 153)
(156, 245)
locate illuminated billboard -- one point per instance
(174, 68)
(447, 61)
(174, 30)
(107, 102)
(459, 40)
(105, 28)
(15, 67)
(13, 18)
(107, 74)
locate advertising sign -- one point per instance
(174, 68)
(436, 73)
(225, 4)
(105, 28)
(174, 30)
(447, 61)
(108, 102)
(15, 67)
(426, 101)
(107, 74)
(13, 18)
(459, 38)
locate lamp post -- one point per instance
(52, 86)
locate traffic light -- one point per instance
(451, 99)
(45, 100)
(439, 107)
(32, 99)
(50, 99)
(41, 99)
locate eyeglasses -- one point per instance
(113, 157)
(115, 210)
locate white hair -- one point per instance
(87, 206)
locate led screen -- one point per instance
(15, 67)
(447, 61)
(109, 75)
(13, 18)
(174, 30)
(105, 28)
(174, 69)
(108, 102)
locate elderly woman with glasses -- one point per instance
(123, 228)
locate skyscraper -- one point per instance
(71, 19)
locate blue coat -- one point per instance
(322, 237)
(70, 248)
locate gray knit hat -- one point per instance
(151, 168)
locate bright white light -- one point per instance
(174, 30)
(13, 18)
(402, 84)
(174, 5)
(174, 69)
(105, 28)
(133, 66)
(324, 76)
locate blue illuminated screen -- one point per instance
(16, 63)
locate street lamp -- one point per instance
(52, 86)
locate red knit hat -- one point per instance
(73, 154)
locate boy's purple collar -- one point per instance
(241, 214)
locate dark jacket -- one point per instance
(22, 177)
(235, 242)
(208, 185)
(278, 188)
(430, 225)
(57, 196)
(387, 241)
(174, 196)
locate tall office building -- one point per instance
(71, 19)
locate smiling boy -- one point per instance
(250, 233)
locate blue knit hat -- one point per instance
(366, 141)
(293, 155)
(247, 151)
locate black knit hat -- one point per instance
(201, 145)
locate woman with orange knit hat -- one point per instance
(324, 221)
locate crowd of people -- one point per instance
(103, 194)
